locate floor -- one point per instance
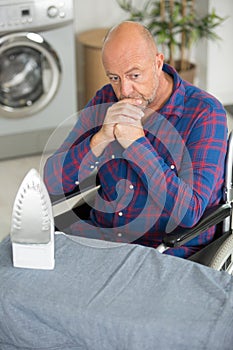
(12, 172)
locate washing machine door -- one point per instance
(30, 73)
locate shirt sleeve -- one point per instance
(61, 171)
(74, 160)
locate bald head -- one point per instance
(130, 33)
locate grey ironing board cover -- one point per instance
(109, 296)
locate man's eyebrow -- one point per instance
(132, 69)
(109, 73)
(128, 72)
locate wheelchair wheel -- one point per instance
(223, 258)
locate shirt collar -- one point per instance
(175, 104)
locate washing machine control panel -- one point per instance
(34, 14)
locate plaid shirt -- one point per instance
(163, 180)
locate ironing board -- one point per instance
(111, 296)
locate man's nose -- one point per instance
(126, 88)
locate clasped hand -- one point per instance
(123, 122)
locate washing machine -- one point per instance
(37, 72)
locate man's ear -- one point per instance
(159, 60)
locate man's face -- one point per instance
(132, 74)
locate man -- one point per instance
(158, 143)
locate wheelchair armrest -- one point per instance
(69, 207)
(211, 217)
(87, 184)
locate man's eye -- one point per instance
(114, 78)
(135, 76)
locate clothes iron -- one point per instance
(32, 225)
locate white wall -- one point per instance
(95, 14)
(220, 67)
(214, 59)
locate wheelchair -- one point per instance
(218, 254)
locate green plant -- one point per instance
(175, 25)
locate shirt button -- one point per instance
(131, 187)
(113, 156)
(77, 183)
(172, 166)
(97, 162)
(120, 213)
(119, 234)
(92, 166)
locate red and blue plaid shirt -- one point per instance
(163, 180)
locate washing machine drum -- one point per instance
(29, 74)
(21, 77)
